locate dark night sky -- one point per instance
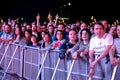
(79, 9)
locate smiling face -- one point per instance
(59, 35)
(7, 29)
(61, 27)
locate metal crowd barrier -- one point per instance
(31, 62)
(36, 64)
(10, 59)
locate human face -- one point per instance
(83, 26)
(28, 27)
(113, 30)
(105, 23)
(55, 30)
(7, 29)
(34, 27)
(91, 29)
(43, 34)
(33, 39)
(16, 26)
(98, 30)
(46, 38)
(85, 35)
(50, 29)
(61, 27)
(23, 29)
(27, 35)
(59, 35)
(17, 31)
(72, 35)
(118, 31)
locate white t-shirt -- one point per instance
(99, 44)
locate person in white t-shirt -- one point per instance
(115, 54)
(115, 49)
(98, 52)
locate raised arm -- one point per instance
(56, 20)
(38, 20)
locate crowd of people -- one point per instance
(99, 41)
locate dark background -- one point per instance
(78, 10)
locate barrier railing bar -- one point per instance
(114, 71)
(4, 53)
(55, 69)
(42, 64)
(70, 69)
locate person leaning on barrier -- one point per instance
(26, 40)
(82, 47)
(7, 35)
(34, 42)
(61, 27)
(60, 40)
(1, 30)
(115, 49)
(98, 52)
(18, 35)
(67, 45)
(46, 43)
(42, 35)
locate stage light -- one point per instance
(69, 4)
